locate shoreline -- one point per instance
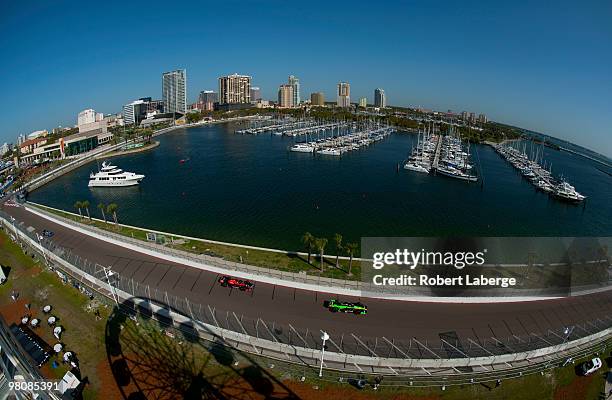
(144, 148)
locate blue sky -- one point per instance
(544, 66)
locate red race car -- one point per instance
(240, 284)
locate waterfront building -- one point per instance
(206, 100)
(295, 83)
(255, 94)
(88, 116)
(174, 91)
(363, 102)
(286, 96)
(38, 134)
(208, 96)
(235, 89)
(153, 106)
(379, 98)
(135, 112)
(317, 99)
(344, 95)
(262, 104)
(31, 144)
(68, 146)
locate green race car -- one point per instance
(346, 307)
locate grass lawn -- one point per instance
(259, 258)
(84, 334)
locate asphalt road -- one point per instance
(303, 309)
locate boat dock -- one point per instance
(342, 143)
(532, 170)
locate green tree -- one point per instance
(78, 205)
(350, 249)
(308, 241)
(338, 242)
(194, 117)
(112, 210)
(85, 205)
(101, 207)
(320, 244)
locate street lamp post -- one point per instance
(324, 338)
(42, 248)
(108, 273)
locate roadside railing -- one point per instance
(303, 280)
(449, 360)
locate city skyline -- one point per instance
(527, 71)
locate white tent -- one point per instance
(3, 276)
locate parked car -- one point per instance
(588, 367)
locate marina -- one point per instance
(533, 167)
(340, 141)
(291, 127)
(441, 154)
(361, 193)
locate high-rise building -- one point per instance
(286, 96)
(135, 112)
(344, 95)
(295, 82)
(255, 94)
(208, 96)
(88, 116)
(363, 102)
(472, 117)
(464, 115)
(234, 89)
(482, 118)
(174, 91)
(379, 98)
(317, 99)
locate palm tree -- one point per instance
(78, 205)
(350, 249)
(112, 209)
(85, 205)
(338, 241)
(308, 241)
(101, 207)
(320, 244)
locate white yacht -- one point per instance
(110, 175)
(302, 148)
(565, 191)
(416, 166)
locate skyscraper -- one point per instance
(379, 98)
(286, 96)
(234, 89)
(295, 82)
(255, 93)
(317, 99)
(174, 91)
(363, 102)
(135, 112)
(208, 96)
(344, 95)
